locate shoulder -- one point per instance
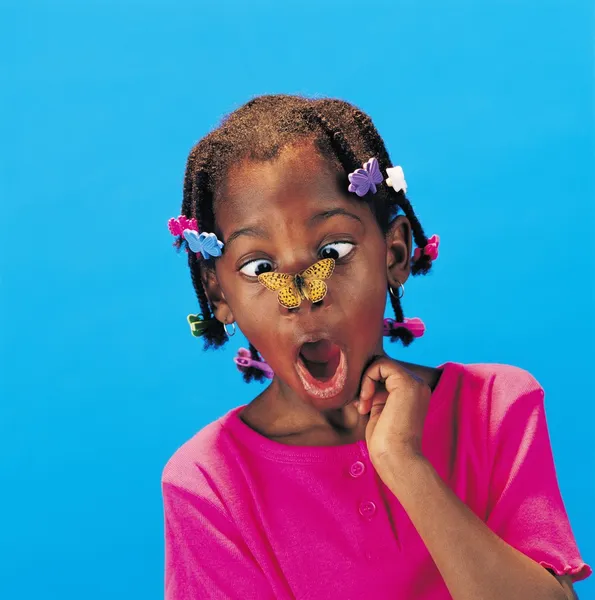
(191, 467)
(486, 395)
(497, 377)
(500, 389)
(500, 385)
(480, 378)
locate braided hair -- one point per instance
(258, 131)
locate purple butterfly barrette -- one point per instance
(361, 181)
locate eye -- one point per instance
(336, 250)
(255, 267)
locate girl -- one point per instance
(352, 475)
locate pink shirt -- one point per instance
(247, 517)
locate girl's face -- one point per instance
(284, 215)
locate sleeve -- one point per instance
(525, 506)
(205, 557)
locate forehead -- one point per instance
(296, 182)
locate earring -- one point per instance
(400, 293)
(233, 331)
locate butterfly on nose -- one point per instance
(307, 285)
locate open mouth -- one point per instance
(322, 368)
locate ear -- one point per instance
(398, 251)
(215, 295)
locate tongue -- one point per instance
(321, 351)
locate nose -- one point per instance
(311, 295)
(307, 292)
(307, 306)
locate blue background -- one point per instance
(487, 106)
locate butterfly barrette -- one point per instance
(198, 325)
(205, 243)
(307, 285)
(361, 181)
(188, 237)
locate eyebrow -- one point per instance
(327, 214)
(254, 231)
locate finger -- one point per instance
(365, 389)
(371, 384)
(384, 377)
(384, 371)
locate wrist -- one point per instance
(401, 450)
(401, 466)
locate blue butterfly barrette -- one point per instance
(205, 243)
(186, 232)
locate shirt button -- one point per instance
(357, 468)
(367, 508)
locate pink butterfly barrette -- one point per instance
(430, 249)
(244, 360)
(415, 326)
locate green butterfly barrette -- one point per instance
(198, 325)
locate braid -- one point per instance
(194, 189)
(187, 208)
(424, 263)
(399, 333)
(338, 142)
(251, 373)
(258, 131)
(379, 150)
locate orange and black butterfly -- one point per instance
(307, 285)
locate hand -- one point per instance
(397, 401)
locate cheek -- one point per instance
(239, 297)
(255, 312)
(364, 289)
(366, 308)
(254, 319)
